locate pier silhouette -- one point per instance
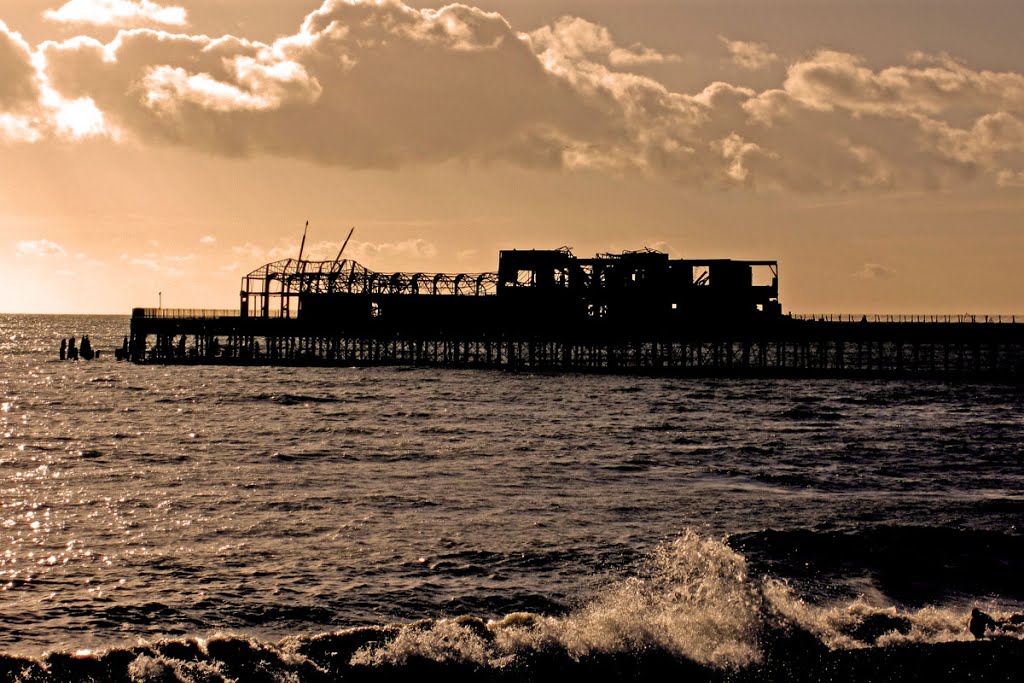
(547, 310)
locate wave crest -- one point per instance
(693, 611)
(694, 600)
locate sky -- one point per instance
(158, 151)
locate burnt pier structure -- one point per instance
(547, 310)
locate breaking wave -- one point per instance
(693, 609)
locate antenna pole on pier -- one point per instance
(345, 244)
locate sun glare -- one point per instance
(78, 119)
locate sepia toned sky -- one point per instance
(875, 149)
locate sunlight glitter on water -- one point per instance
(302, 499)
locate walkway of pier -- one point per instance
(956, 347)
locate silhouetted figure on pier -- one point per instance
(63, 348)
(72, 349)
(181, 347)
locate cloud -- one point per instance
(19, 89)
(933, 85)
(750, 56)
(665, 248)
(256, 87)
(120, 13)
(250, 252)
(639, 55)
(208, 240)
(75, 119)
(162, 264)
(368, 252)
(404, 86)
(30, 110)
(18, 84)
(379, 256)
(580, 40)
(378, 84)
(1010, 179)
(15, 128)
(875, 271)
(41, 248)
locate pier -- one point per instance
(548, 311)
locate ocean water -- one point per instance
(216, 523)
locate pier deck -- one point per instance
(941, 347)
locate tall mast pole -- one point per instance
(302, 246)
(342, 250)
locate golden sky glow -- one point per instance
(875, 149)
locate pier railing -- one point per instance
(963, 318)
(186, 313)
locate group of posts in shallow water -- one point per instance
(70, 351)
(83, 350)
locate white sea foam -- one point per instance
(154, 669)
(695, 599)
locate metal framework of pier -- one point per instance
(277, 289)
(547, 310)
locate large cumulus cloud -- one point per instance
(30, 110)
(19, 87)
(120, 13)
(361, 84)
(379, 84)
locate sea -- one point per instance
(212, 523)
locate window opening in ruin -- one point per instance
(763, 276)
